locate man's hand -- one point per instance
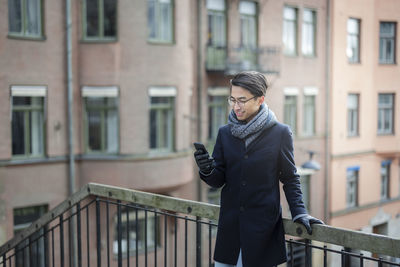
(307, 221)
(204, 161)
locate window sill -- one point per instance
(310, 56)
(15, 161)
(385, 134)
(290, 55)
(354, 62)
(353, 136)
(26, 38)
(360, 208)
(394, 64)
(99, 41)
(163, 43)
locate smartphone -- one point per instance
(200, 146)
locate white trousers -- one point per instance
(238, 264)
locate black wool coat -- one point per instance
(250, 215)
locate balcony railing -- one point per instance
(233, 59)
(110, 226)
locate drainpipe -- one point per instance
(327, 112)
(71, 159)
(199, 119)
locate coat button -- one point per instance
(244, 182)
(241, 208)
(246, 156)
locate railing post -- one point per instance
(198, 242)
(78, 225)
(98, 233)
(62, 240)
(4, 260)
(308, 254)
(119, 226)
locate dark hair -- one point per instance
(252, 81)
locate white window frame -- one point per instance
(353, 115)
(308, 37)
(352, 184)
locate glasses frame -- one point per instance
(233, 101)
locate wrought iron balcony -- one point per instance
(110, 226)
(233, 59)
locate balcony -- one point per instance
(233, 59)
(110, 226)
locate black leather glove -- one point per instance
(204, 161)
(307, 221)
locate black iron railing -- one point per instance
(110, 226)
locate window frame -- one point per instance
(158, 40)
(101, 92)
(223, 94)
(385, 61)
(287, 105)
(23, 34)
(216, 55)
(382, 131)
(314, 30)
(28, 92)
(356, 111)
(385, 180)
(352, 179)
(100, 38)
(306, 122)
(136, 217)
(353, 60)
(295, 52)
(170, 94)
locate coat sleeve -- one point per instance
(217, 177)
(289, 177)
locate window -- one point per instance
(25, 18)
(27, 122)
(352, 186)
(100, 19)
(216, 43)
(162, 104)
(385, 113)
(309, 115)
(290, 30)
(305, 189)
(248, 33)
(352, 114)
(387, 42)
(353, 40)
(23, 217)
(101, 119)
(290, 112)
(385, 179)
(217, 110)
(139, 229)
(309, 29)
(160, 20)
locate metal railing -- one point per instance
(234, 59)
(110, 226)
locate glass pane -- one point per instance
(216, 4)
(352, 26)
(352, 101)
(33, 17)
(110, 18)
(387, 29)
(95, 101)
(165, 22)
(36, 124)
(164, 138)
(94, 130)
(112, 131)
(308, 16)
(289, 13)
(21, 100)
(151, 19)
(14, 16)
(153, 128)
(160, 100)
(385, 99)
(247, 7)
(92, 18)
(18, 133)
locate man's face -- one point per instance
(250, 108)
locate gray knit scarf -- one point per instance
(249, 131)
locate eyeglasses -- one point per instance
(232, 101)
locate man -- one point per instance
(252, 153)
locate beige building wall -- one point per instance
(133, 65)
(367, 78)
